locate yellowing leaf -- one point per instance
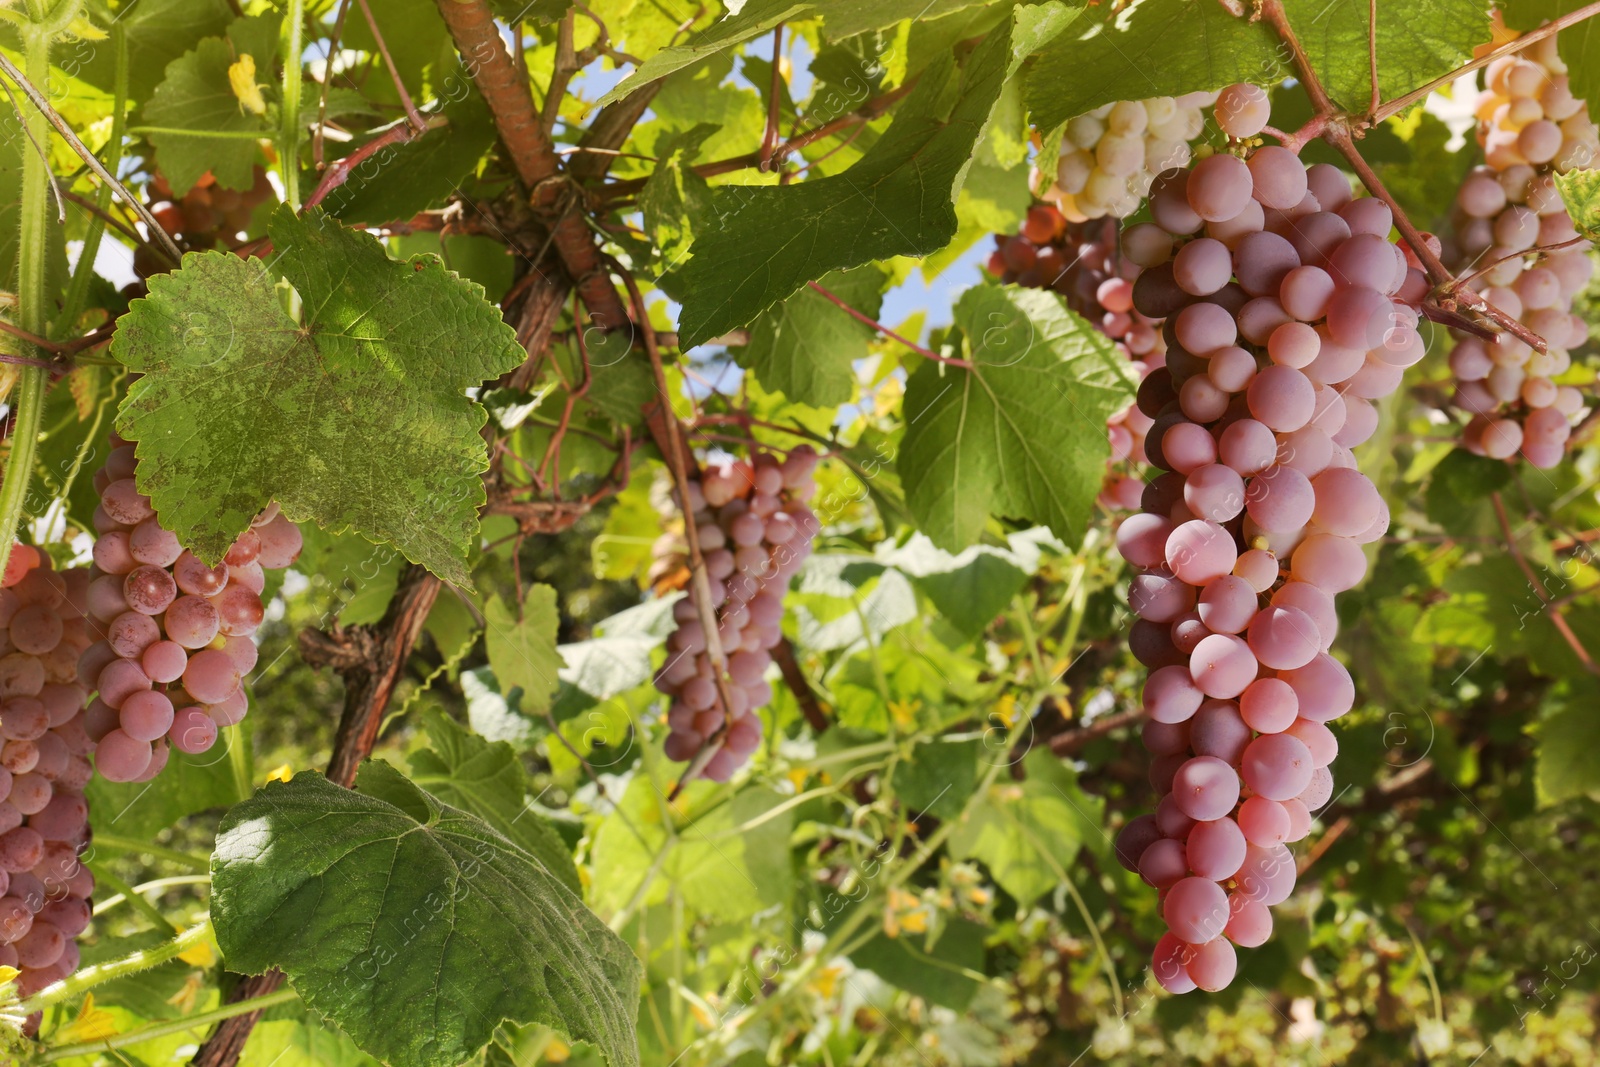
(242, 79)
(92, 1023)
(201, 955)
(281, 773)
(557, 1051)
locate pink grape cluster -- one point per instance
(175, 633)
(755, 529)
(44, 767)
(1083, 262)
(1531, 128)
(1287, 311)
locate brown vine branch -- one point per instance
(769, 136)
(1554, 26)
(795, 678)
(505, 90)
(340, 170)
(413, 116)
(868, 320)
(868, 111)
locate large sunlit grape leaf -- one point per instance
(486, 778)
(202, 123)
(522, 646)
(1580, 192)
(753, 19)
(1416, 42)
(1153, 48)
(1022, 433)
(351, 413)
(804, 346)
(897, 200)
(414, 926)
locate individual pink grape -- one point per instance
(1227, 604)
(1318, 739)
(1206, 788)
(1161, 864)
(193, 731)
(239, 611)
(164, 661)
(121, 758)
(119, 680)
(281, 542)
(1222, 665)
(146, 715)
(1219, 186)
(130, 633)
(1199, 552)
(21, 850)
(124, 503)
(1213, 965)
(1215, 849)
(1283, 638)
(1170, 695)
(243, 652)
(195, 578)
(1167, 963)
(1323, 688)
(149, 589)
(111, 553)
(1280, 499)
(211, 676)
(1269, 705)
(192, 621)
(1196, 910)
(1276, 766)
(1136, 836)
(23, 719)
(244, 550)
(1249, 921)
(1243, 110)
(149, 543)
(1346, 501)
(1218, 730)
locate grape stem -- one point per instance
(1554, 26)
(1338, 133)
(89, 977)
(868, 320)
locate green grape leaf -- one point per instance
(928, 968)
(1154, 48)
(414, 926)
(1580, 192)
(1567, 739)
(486, 779)
(804, 346)
(940, 775)
(1578, 44)
(674, 197)
(413, 32)
(204, 124)
(1416, 43)
(753, 19)
(846, 18)
(897, 200)
(352, 414)
(522, 650)
(1022, 432)
(158, 31)
(722, 868)
(402, 180)
(1028, 833)
(969, 589)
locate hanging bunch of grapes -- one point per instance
(176, 633)
(755, 528)
(1514, 235)
(1110, 155)
(44, 767)
(1084, 263)
(1287, 312)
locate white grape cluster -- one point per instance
(1083, 262)
(1531, 128)
(755, 529)
(44, 767)
(1288, 311)
(1110, 155)
(175, 633)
